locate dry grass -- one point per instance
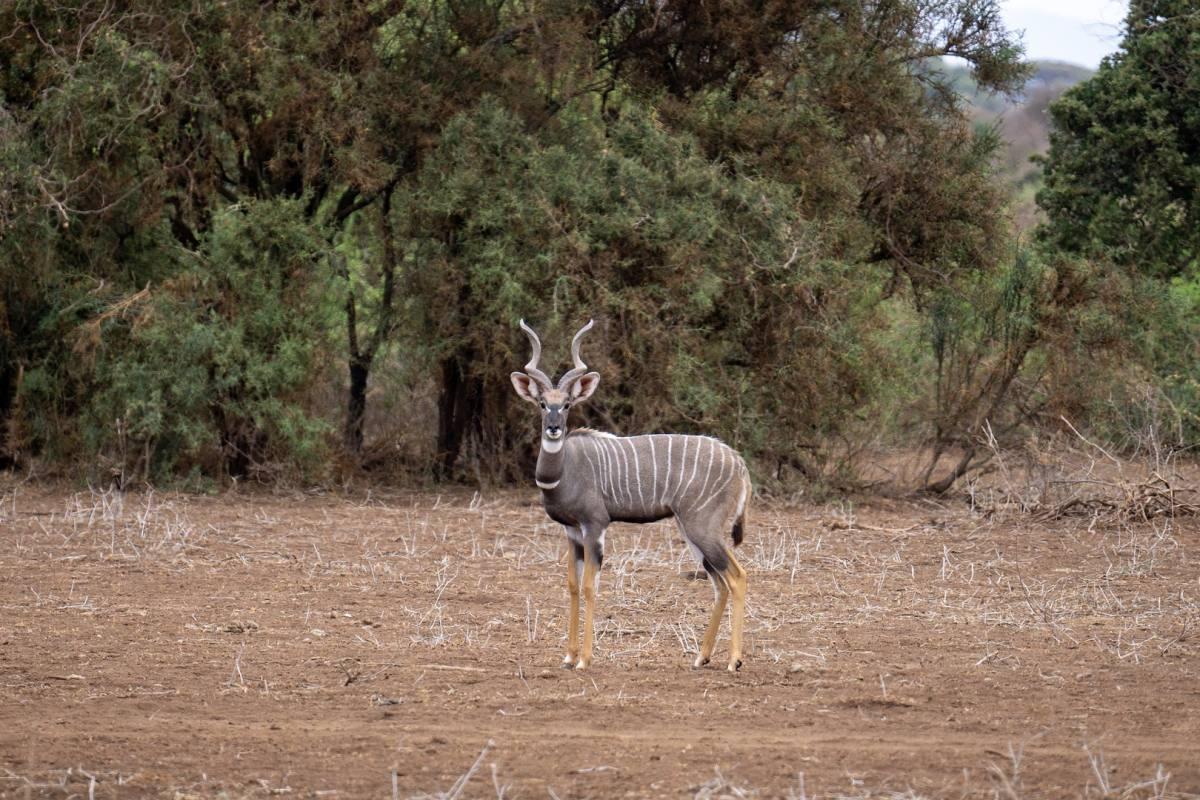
(408, 644)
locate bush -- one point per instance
(203, 373)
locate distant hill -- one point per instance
(1023, 122)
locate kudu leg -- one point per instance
(591, 572)
(714, 622)
(574, 562)
(735, 576)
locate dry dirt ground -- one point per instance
(249, 645)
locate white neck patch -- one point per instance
(551, 446)
(546, 486)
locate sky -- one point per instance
(1079, 31)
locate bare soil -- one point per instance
(249, 645)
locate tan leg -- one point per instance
(589, 607)
(714, 624)
(573, 611)
(736, 577)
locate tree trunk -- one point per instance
(10, 382)
(460, 411)
(242, 443)
(356, 406)
(362, 357)
(943, 485)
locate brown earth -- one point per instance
(316, 645)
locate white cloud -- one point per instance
(1079, 31)
(1108, 11)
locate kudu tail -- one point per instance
(743, 509)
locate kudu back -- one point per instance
(590, 479)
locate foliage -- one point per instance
(782, 220)
(698, 277)
(1175, 339)
(202, 371)
(1122, 183)
(1123, 172)
(1151, 402)
(981, 339)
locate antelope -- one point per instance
(590, 479)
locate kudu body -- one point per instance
(591, 479)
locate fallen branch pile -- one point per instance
(1064, 481)
(1152, 498)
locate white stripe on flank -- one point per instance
(725, 460)
(695, 466)
(707, 492)
(667, 474)
(587, 454)
(611, 465)
(712, 454)
(654, 475)
(718, 489)
(682, 469)
(606, 489)
(741, 503)
(614, 477)
(637, 472)
(618, 463)
(624, 461)
(599, 465)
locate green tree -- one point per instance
(736, 193)
(831, 103)
(1123, 170)
(1122, 189)
(128, 131)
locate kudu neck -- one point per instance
(550, 463)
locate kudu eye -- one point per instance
(542, 403)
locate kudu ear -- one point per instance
(583, 387)
(526, 387)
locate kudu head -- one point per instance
(574, 387)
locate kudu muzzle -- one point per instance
(555, 423)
